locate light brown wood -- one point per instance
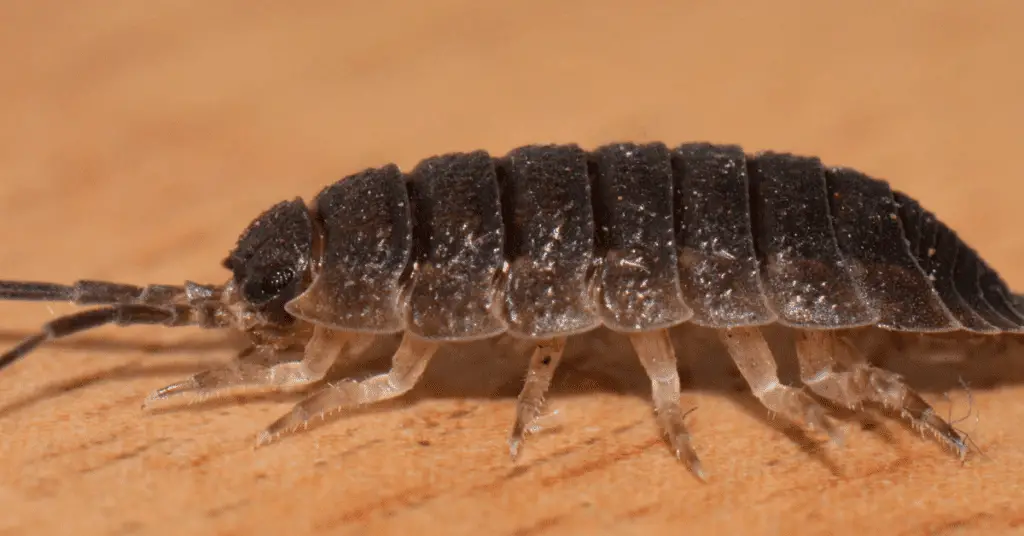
(138, 139)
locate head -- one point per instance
(270, 266)
(271, 263)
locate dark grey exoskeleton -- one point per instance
(552, 241)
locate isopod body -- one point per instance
(553, 241)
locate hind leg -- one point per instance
(407, 366)
(655, 351)
(319, 354)
(754, 358)
(837, 372)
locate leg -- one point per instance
(659, 360)
(822, 354)
(320, 353)
(543, 363)
(757, 365)
(407, 366)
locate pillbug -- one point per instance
(550, 242)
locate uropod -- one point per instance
(550, 242)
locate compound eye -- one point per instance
(268, 284)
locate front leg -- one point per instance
(319, 354)
(407, 366)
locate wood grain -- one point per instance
(139, 138)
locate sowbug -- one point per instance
(550, 242)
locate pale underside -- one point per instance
(832, 367)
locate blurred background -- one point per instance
(192, 116)
(138, 139)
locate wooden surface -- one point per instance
(139, 138)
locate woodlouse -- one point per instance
(553, 241)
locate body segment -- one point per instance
(638, 277)
(459, 247)
(549, 225)
(718, 266)
(366, 228)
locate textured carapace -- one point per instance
(552, 241)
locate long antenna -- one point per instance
(128, 305)
(89, 292)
